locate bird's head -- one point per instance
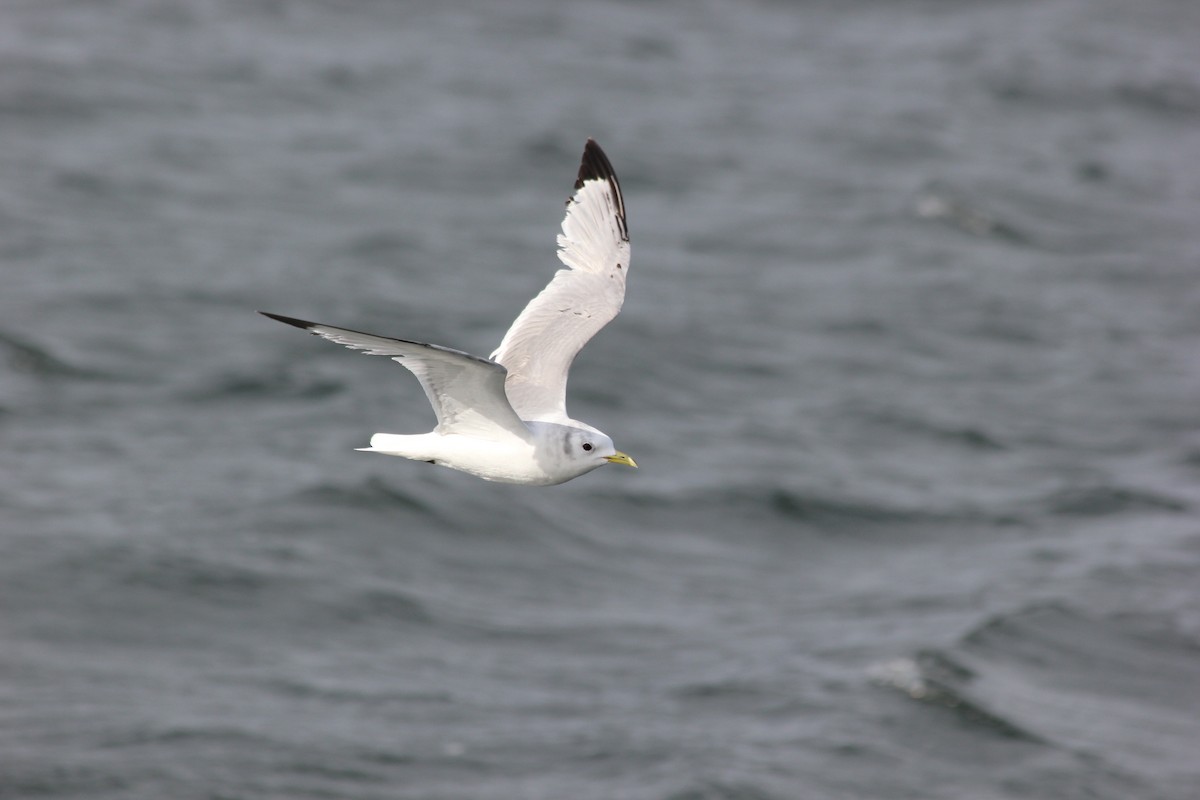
(586, 449)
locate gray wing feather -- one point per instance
(466, 392)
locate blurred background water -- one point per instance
(910, 360)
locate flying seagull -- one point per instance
(505, 418)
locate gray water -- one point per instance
(910, 361)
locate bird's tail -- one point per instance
(415, 446)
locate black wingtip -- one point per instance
(299, 323)
(595, 166)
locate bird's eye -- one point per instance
(587, 446)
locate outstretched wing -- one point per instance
(467, 393)
(580, 300)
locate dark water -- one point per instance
(910, 360)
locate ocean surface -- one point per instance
(910, 360)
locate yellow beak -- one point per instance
(621, 458)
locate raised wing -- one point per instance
(580, 300)
(467, 392)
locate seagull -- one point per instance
(504, 418)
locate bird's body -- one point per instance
(540, 460)
(505, 419)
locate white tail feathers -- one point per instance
(394, 444)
